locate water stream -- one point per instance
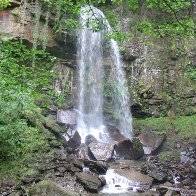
(93, 74)
(91, 71)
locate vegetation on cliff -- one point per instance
(26, 74)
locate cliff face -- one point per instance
(160, 71)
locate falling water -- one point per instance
(91, 38)
(118, 184)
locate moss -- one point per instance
(137, 145)
(43, 123)
(13, 169)
(169, 155)
(15, 12)
(41, 146)
(175, 128)
(48, 188)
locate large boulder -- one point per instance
(74, 143)
(90, 182)
(90, 139)
(128, 149)
(151, 141)
(84, 153)
(102, 151)
(114, 134)
(135, 178)
(48, 188)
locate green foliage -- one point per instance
(4, 4)
(190, 72)
(169, 155)
(120, 36)
(13, 169)
(133, 4)
(157, 29)
(168, 5)
(16, 137)
(16, 62)
(15, 12)
(21, 85)
(162, 17)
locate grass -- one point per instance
(177, 128)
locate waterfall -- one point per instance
(90, 49)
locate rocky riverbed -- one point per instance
(67, 174)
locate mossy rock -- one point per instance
(48, 188)
(43, 123)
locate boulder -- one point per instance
(90, 139)
(96, 166)
(103, 180)
(135, 178)
(128, 149)
(84, 153)
(90, 182)
(74, 143)
(32, 178)
(48, 188)
(157, 174)
(188, 155)
(67, 117)
(151, 141)
(78, 163)
(102, 151)
(114, 134)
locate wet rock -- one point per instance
(151, 142)
(78, 163)
(90, 139)
(32, 178)
(90, 182)
(135, 178)
(128, 149)
(188, 155)
(84, 153)
(48, 188)
(74, 143)
(179, 191)
(96, 167)
(157, 174)
(114, 134)
(102, 151)
(103, 180)
(188, 182)
(137, 111)
(192, 173)
(67, 117)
